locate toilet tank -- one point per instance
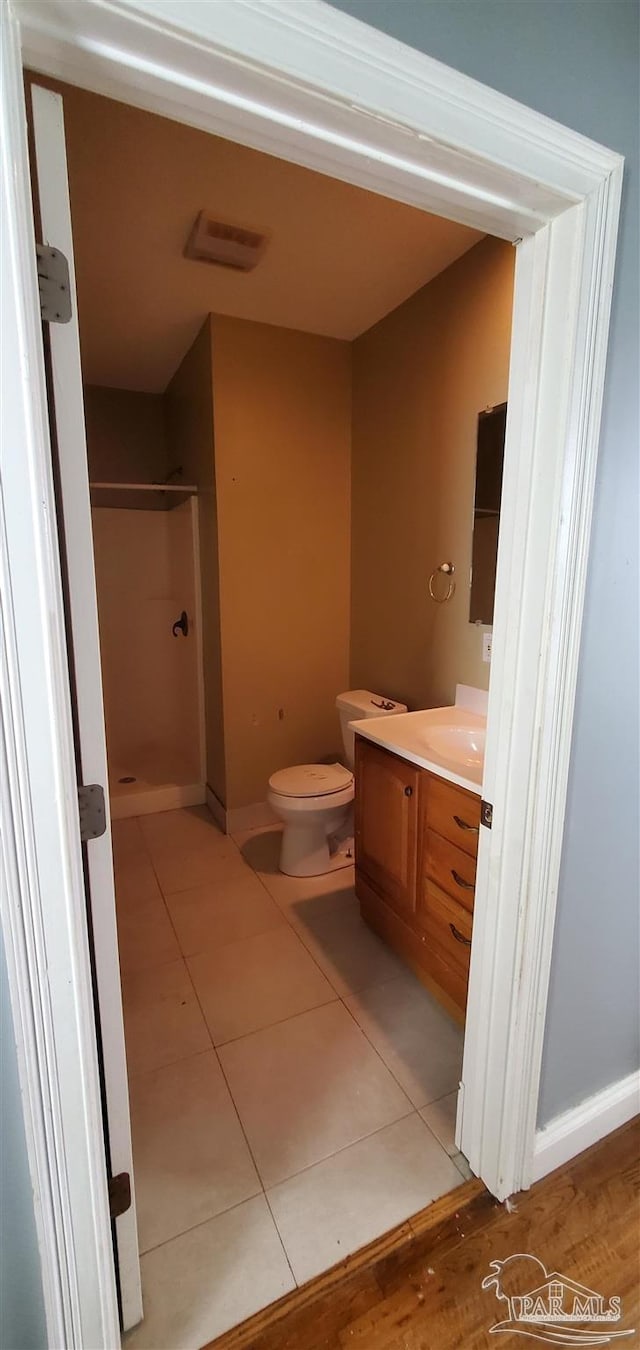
(357, 704)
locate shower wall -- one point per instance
(126, 436)
(146, 561)
(145, 577)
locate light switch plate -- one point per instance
(486, 646)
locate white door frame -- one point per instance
(66, 393)
(304, 82)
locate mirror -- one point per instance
(486, 512)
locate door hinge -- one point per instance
(92, 811)
(486, 814)
(119, 1194)
(53, 284)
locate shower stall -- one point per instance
(148, 584)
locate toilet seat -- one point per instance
(311, 780)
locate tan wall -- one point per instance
(144, 575)
(126, 439)
(420, 378)
(189, 413)
(282, 445)
(261, 418)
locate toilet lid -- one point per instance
(310, 780)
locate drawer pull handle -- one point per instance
(408, 792)
(460, 881)
(463, 825)
(460, 937)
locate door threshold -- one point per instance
(355, 1273)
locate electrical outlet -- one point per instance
(486, 646)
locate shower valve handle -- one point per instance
(181, 625)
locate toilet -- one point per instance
(314, 801)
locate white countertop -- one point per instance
(404, 735)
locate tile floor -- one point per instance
(293, 1087)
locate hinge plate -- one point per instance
(53, 284)
(119, 1194)
(92, 811)
(486, 814)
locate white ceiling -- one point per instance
(338, 258)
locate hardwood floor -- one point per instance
(419, 1287)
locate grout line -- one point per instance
(197, 885)
(353, 993)
(135, 1074)
(142, 836)
(226, 1082)
(283, 1182)
(202, 1222)
(186, 959)
(280, 1021)
(224, 1076)
(455, 1162)
(432, 1132)
(158, 1068)
(339, 998)
(354, 1143)
(128, 975)
(182, 958)
(221, 946)
(281, 1240)
(240, 1123)
(294, 928)
(258, 1176)
(344, 1148)
(388, 1066)
(373, 1047)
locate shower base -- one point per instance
(138, 788)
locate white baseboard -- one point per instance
(239, 818)
(218, 811)
(570, 1133)
(156, 799)
(252, 817)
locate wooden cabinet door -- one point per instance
(386, 824)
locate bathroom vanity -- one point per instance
(416, 840)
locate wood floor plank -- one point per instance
(419, 1287)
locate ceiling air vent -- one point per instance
(214, 241)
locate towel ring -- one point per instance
(447, 569)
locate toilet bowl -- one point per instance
(315, 801)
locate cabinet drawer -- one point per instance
(452, 869)
(446, 927)
(452, 980)
(453, 813)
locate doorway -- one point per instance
(488, 1059)
(236, 979)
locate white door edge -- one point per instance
(43, 905)
(50, 169)
(286, 79)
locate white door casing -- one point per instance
(84, 643)
(319, 88)
(42, 896)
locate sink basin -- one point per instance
(449, 741)
(462, 745)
